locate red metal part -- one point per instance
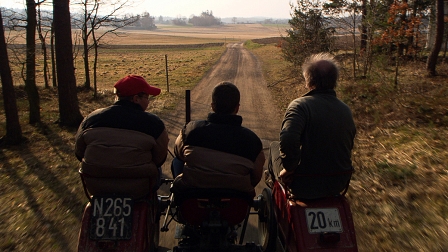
(293, 227)
(144, 217)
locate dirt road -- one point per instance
(259, 113)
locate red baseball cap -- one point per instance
(134, 84)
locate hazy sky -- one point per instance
(275, 9)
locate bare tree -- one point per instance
(43, 37)
(345, 14)
(30, 81)
(13, 129)
(112, 24)
(53, 56)
(69, 114)
(86, 32)
(16, 21)
(432, 58)
(363, 46)
(90, 25)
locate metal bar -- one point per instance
(243, 230)
(165, 221)
(166, 72)
(187, 107)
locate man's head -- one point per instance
(321, 71)
(225, 98)
(135, 89)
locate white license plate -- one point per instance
(111, 218)
(321, 220)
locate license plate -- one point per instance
(321, 220)
(111, 218)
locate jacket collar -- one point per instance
(321, 91)
(129, 104)
(225, 119)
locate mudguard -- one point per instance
(143, 231)
(299, 222)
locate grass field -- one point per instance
(398, 194)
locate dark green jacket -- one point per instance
(316, 141)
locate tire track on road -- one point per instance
(241, 67)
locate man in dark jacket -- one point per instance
(313, 157)
(219, 152)
(122, 147)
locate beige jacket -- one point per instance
(125, 168)
(209, 168)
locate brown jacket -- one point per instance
(128, 167)
(120, 148)
(209, 168)
(219, 153)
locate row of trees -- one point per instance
(145, 22)
(393, 27)
(58, 25)
(69, 113)
(90, 29)
(205, 19)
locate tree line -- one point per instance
(377, 27)
(69, 113)
(397, 29)
(58, 25)
(205, 19)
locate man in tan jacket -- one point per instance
(218, 152)
(122, 146)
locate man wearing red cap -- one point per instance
(122, 147)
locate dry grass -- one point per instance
(39, 185)
(399, 192)
(185, 66)
(398, 195)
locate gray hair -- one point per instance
(321, 71)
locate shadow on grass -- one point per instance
(40, 204)
(36, 207)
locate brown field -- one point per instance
(229, 32)
(398, 194)
(143, 52)
(175, 35)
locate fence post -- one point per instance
(166, 71)
(187, 106)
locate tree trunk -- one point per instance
(69, 114)
(432, 58)
(403, 18)
(354, 45)
(95, 62)
(30, 82)
(363, 45)
(13, 129)
(85, 45)
(445, 46)
(411, 41)
(397, 64)
(43, 46)
(53, 57)
(95, 68)
(86, 62)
